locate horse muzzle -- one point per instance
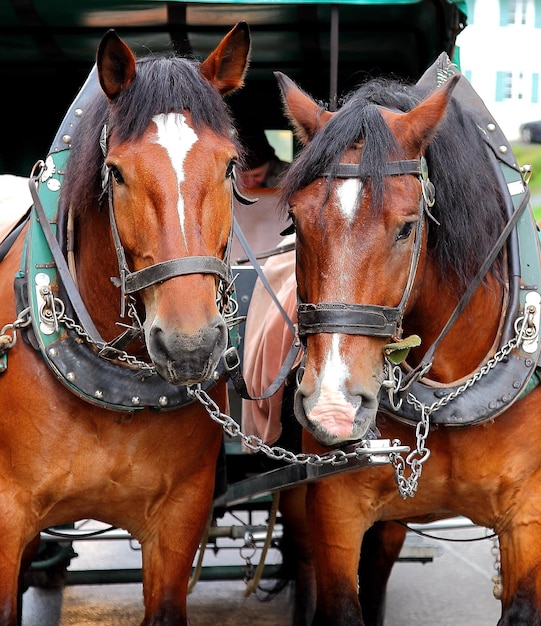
(187, 358)
(336, 419)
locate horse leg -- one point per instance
(299, 550)
(380, 549)
(336, 526)
(26, 561)
(167, 559)
(11, 553)
(520, 553)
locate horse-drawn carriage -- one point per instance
(133, 433)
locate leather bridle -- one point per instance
(132, 282)
(370, 319)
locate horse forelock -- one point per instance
(161, 85)
(358, 121)
(469, 201)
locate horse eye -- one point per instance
(230, 168)
(405, 231)
(116, 174)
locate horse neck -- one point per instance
(470, 339)
(96, 263)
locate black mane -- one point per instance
(162, 85)
(469, 203)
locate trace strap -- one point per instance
(426, 362)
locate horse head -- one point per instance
(355, 194)
(166, 173)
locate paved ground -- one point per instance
(453, 590)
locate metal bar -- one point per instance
(453, 523)
(134, 575)
(292, 475)
(118, 534)
(333, 70)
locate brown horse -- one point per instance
(122, 440)
(380, 264)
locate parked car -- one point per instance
(531, 132)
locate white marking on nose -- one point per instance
(335, 371)
(177, 138)
(348, 193)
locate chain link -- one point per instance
(277, 453)
(8, 334)
(407, 486)
(119, 355)
(497, 578)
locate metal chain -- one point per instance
(498, 357)
(55, 309)
(120, 355)
(497, 590)
(407, 486)
(277, 453)
(7, 341)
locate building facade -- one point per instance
(500, 53)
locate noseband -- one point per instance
(370, 319)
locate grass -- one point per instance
(530, 154)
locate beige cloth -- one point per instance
(15, 200)
(267, 342)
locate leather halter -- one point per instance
(369, 319)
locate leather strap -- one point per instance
(261, 275)
(135, 281)
(391, 168)
(231, 363)
(351, 319)
(231, 358)
(426, 361)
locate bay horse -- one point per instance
(106, 429)
(406, 204)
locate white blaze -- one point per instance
(335, 371)
(177, 138)
(348, 194)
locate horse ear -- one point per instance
(116, 64)
(416, 128)
(306, 116)
(226, 66)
